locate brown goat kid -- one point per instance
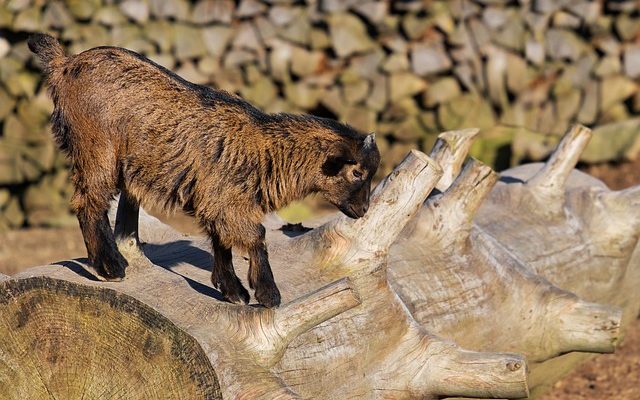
(130, 125)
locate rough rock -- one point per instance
(56, 15)
(188, 42)
(441, 91)
(615, 89)
(82, 9)
(110, 16)
(377, 99)
(207, 11)
(609, 65)
(534, 51)
(4, 47)
(250, 8)
(216, 39)
(137, 10)
(405, 84)
(28, 20)
(615, 141)
(302, 95)
(305, 62)
(176, 9)
(396, 62)
(589, 109)
(564, 44)
(7, 103)
(262, 92)
(627, 27)
(632, 61)
(355, 92)
(461, 111)
(348, 35)
(429, 58)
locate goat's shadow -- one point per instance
(510, 179)
(78, 266)
(294, 230)
(156, 253)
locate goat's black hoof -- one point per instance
(111, 266)
(231, 289)
(237, 296)
(268, 295)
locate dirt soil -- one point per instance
(610, 376)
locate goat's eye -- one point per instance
(357, 173)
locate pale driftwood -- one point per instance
(449, 151)
(536, 318)
(588, 246)
(465, 264)
(374, 350)
(585, 242)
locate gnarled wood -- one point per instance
(590, 247)
(456, 257)
(374, 350)
(547, 186)
(450, 151)
(478, 262)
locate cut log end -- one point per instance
(304, 313)
(59, 338)
(268, 332)
(447, 218)
(464, 373)
(548, 185)
(450, 151)
(471, 187)
(588, 327)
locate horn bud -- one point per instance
(370, 140)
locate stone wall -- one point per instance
(522, 71)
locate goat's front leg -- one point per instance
(260, 275)
(223, 275)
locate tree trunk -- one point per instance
(367, 302)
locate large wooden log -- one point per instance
(364, 299)
(371, 348)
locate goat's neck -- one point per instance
(291, 175)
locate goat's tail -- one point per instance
(48, 50)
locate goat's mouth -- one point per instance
(350, 211)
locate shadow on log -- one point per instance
(367, 302)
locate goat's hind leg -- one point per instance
(91, 202)
(127, 218)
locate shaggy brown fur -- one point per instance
(129, 124)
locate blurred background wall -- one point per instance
(522, 71)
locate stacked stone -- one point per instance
(521, 71)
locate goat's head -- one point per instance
(347, 173)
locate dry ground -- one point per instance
(611, 376)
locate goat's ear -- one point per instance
(336, 161)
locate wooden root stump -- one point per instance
(370, 305)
